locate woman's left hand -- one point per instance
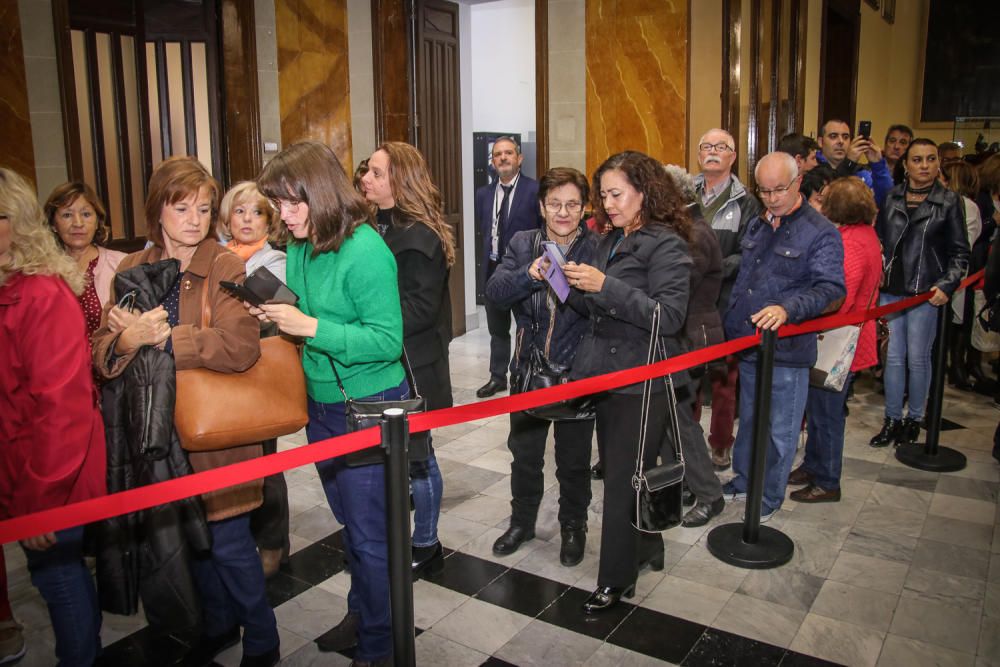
(289, 319)
(40, 542)
(938, 298)
(584, 277)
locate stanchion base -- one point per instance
(945, 460)
(773, 548)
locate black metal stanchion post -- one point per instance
(395, 441)
(931, 456)
(750, 544)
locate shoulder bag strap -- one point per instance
(654, 335)
(206, 303)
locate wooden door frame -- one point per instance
(821, 101)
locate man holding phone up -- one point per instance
(839, 155)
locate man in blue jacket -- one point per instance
(503, 208)
(839, 154)
(792, 269)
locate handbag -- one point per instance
(658, 503)
(215, 410)
(541, 373)
(835, 350)
(362, 414)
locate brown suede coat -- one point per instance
(230, 344)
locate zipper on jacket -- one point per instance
(920, 261)
(147, 419)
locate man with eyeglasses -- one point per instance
(727, 207)
(839, 155)
(503, 208)
(792, 270)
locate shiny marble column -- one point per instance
(313, 76)
(637, 69)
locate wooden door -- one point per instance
(438, 127)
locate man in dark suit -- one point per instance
(503, 208)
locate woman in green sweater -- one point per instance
(349, 317)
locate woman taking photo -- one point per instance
(50, 426)
(924, 245)
(78, 220)
(247, 221)
(554, 329)
(410, 219)
(349, 317)
(180, 209)
(850, 205)
(641, 263)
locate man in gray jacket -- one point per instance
(727, 207)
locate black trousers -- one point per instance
(527, 443)
(622, 546)
(269, 522)
(498, 323)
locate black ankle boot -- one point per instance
(909, 432)
(889, 435)
(574, 539)
(957, 373)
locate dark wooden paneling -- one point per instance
(542, 86)
(839, 46)
(391, 61)
(15, 120)
(731, 26)
(439, 118)
(242, 102)
(67, 94)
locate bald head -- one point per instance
(777, 176)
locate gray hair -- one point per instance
(790, 164)
(683, 180)
(732, 141)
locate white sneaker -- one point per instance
(765, 516)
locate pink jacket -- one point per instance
(104, 272)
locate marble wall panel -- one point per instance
(15, 118)
(637, 68)
(313, 74)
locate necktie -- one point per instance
(504, 209)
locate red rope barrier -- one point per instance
(133, 500)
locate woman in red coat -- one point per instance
(51, 433)
(850, 205)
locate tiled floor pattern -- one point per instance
(905, 570)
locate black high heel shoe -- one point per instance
(606, 597)
(427, 559)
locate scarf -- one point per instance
(246, 250)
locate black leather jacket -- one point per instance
(932, 245)
(148, 554)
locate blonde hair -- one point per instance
(33, 248)
(245, 192)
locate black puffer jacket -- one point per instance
(703, 326)
(931, 248)
(558, 332)
(148, 553)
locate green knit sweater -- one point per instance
(354, 295)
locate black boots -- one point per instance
(958, 374)
(574, 539)
(891, 429)
(910, 431)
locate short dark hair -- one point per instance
(833, 120)
(66, 194)
(949, 146)
(814, 181)
(797, 145)
(849, 201)
(898, 127)
(517, 146)
(560, 176)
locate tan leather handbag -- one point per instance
(219, 410)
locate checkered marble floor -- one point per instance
(905, 570)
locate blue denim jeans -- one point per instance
(65, 583)
(357, 499)
(789, 389)
(825, 418)
(427, 487)
(911, 337)
(231, 582)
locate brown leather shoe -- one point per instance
(722, 458)
(814, 494)
(270, 561)
(800, 477)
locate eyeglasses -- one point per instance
(720, 147)
(291, 204)
(777, 192)
(571, 206)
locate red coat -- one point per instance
(862, 273)
(51, 434)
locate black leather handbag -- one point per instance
(541, 373)
(365, 414)
(658, 491)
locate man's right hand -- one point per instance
(857, 148)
